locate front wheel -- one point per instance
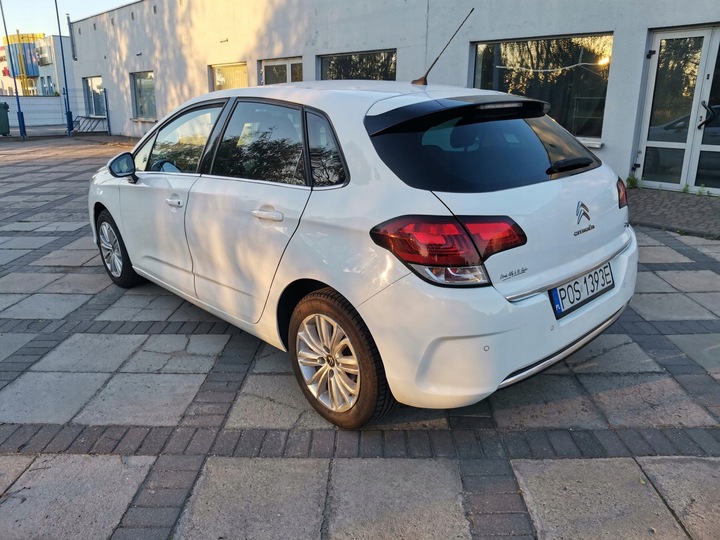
(336, 361)
(114, 255)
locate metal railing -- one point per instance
(45, 115)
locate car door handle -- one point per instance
(175, 203)
(272, 215)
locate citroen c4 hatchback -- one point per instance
(420, 244)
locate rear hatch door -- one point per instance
(572, 225)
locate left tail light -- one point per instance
(622, 193)
(445, 250)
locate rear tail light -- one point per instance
(622, 193)
(494, 234)
(447, 250)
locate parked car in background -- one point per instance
(420, 244)
(676, 131)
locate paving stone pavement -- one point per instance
(132, 414)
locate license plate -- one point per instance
(576, 293)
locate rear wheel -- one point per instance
(113, 252)
(336, 361)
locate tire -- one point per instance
(351, 393)
(113, 253)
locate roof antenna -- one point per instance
(423, 80)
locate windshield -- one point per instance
(469, 153)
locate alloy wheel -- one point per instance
(328, 362)
(110, 249)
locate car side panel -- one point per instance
(332, 245)
(235, 249)
(104, 189)
(153, 215)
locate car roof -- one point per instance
(362, 95)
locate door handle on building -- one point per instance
(710, 117)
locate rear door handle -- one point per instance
(272, 215)
(175, 203)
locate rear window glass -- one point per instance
(469, 154)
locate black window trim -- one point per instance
(323, 115)
(207, 159)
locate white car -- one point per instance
(420, 244)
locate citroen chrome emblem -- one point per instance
(582, 211)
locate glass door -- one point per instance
(680, 144)
(705, 159)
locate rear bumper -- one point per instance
(448, 347)
(545, 363)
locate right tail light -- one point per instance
(622, 193)
(447, 250)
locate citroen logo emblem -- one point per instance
(582, 211)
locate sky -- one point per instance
(38, 16)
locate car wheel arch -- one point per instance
(98, 207)
(289, 299)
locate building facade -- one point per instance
(638, 82)
(36, 64)
(20, 63)
(51, 79)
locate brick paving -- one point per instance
(657, 356)
(676, 211)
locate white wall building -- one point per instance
(51, 80)
(628, 78)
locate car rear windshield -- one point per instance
(473, 152)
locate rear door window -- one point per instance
(469, 153)
(262, 142)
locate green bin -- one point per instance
(4, 120)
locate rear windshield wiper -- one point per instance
(569, 164)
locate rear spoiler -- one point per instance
(483, 107)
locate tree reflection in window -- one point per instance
(327, 168)
(262, 142)
(570, 73)
(180, 144)
(379, 65)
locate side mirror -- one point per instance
(123, 166)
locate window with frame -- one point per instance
(94, 99)
(226, 76)
(262, 142)
(325, 162)
(281, 71)
(143, 84)
(376, 65)
(178, 146)
(570, 73)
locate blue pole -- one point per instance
(68, 112)
(20, 115)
